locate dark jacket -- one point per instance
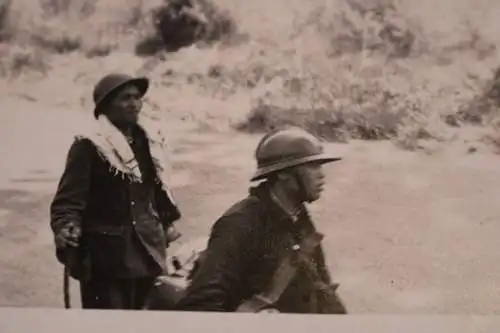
(123, 222)
(242, 254)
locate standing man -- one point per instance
(112, 215)
(244, 266)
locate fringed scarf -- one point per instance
(113, 146)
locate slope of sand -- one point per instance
(406, 232)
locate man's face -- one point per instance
(313, 181)
(125, 107)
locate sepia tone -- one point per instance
(405, 92)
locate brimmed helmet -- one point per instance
(111, 82)
(286, 148)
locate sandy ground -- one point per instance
(407, 233)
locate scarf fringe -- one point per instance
(114, 171)
(119, 168)
(114, 149)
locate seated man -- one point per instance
(248, 243)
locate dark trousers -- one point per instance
(129, 294)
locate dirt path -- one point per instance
(406, 232)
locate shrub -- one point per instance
(5, 33)
(173, 31)
(482, 108)
(19, 59)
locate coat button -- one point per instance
(133, 222)
(133, 203)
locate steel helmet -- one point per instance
(286, 148)
(111, 82)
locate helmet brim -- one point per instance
(264, 171)
(142, 83)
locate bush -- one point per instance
(365, 26)
(5, 33)
(340, 125)
(16, 60)
(483, 108)
(58, 44)
(175, 29)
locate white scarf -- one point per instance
(113, 146)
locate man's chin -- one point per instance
(314, 198)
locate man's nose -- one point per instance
(321, 178)
(137, 104)
(321, 173)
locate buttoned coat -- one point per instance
(243, 252)
(122, 224)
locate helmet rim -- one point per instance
(264, 170)
(286, 148)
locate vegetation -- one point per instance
(343, 69)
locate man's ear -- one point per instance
(285, 175)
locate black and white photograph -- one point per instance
(287, 158)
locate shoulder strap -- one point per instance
(284, 274)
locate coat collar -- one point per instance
(273, 208)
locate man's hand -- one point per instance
(68, 236)
(269, 310)
(172, 234)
